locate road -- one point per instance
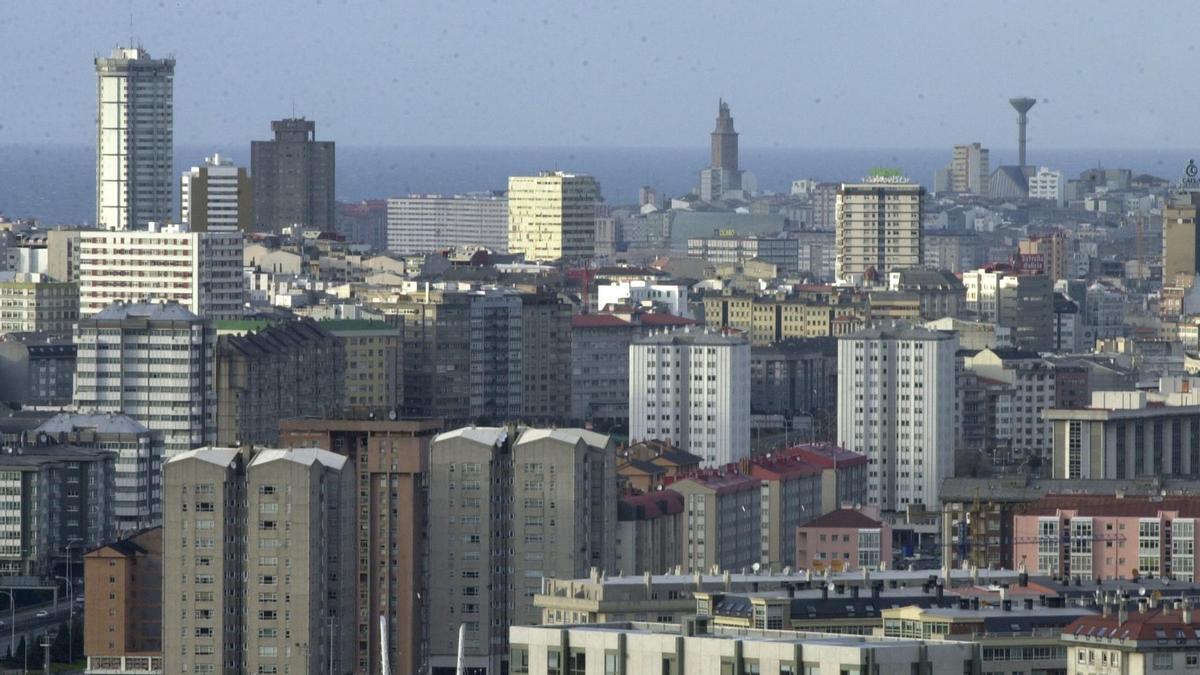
(29, 625)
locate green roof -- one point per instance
(243, 324)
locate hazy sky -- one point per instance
(797, 73)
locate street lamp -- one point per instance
(70, 619)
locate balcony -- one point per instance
(114, 665)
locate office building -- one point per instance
(122, 610)
(516, 505)
(58, 504)
(1181, 241)
(200, 270)
(32, 303)
(137, 490)
(552, 216)
(1126, 434)
(692, 389)
(284, 370)
(216, 197)
(374, 372)
(432, 223)
(879, 225)
(258, 559)
(134, 139)
(153, 363)
(710, 649)
(722, 179)
(391, 460)
(293, 178)
(896, 397)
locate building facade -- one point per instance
(216, 197)
(293, 177)
(896, 396)
(431, 223)
(134, 139)
(878, 227)
(123, 585)
(374, 371)
(153, 363)
(552, 216)
(200, 270)
(36, 303)
(692, 389)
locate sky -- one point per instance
(618, 73)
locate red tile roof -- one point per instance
(597, 321)
(825, 455)
(1155, 624)
(1108, 505)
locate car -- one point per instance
(42, 614)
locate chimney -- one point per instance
(1187, 611)
(941, 593)
(791, 590)
(1029, 603)
(728, 579)
(1023, 579)
(1122, 614)
(875, 588)
(854, 592)
(824, 591)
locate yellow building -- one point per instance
(552, 216)
(771, 318)
(1181, 245)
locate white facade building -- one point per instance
(200, 270)
(430, 223)
(896, 393)
(134, 139)
(671, 297)
(153, 362)
(1047, 184)
(878, 227)
(692, 388)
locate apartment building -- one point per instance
(153, 362)
(122, 610)
(257, 556)
(374, 371)
(797, 378)
(1021, 386)
(58, 503)
(37, 369)
(519, 505)
(845, 539)
(431, 223)
(36, 303)
(692, 389)
(391, 461)
(216, 197)
(200, 270)
(896, 395)
(294, 177)
(1019, 301)
(1125, 641)
(284, 370)
(600, 361)
(136, 498)
(771, 318)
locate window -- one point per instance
(576, 662)
(553, 662)
(518, 660)
(1163, 662)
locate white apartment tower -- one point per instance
(692, 389)
(878, 227)
(200, 270)
(552, 215)
(153, 362)
(896, 394)
(258, 560)
(134, 139)
(216, 197)
(431, 223)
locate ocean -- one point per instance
(56, 183)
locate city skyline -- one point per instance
(616, 80)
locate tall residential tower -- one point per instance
(134, 139)
(293, 177)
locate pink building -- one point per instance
(844, 539)
(1108, 537)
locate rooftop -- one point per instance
(843, 518)
(152, 311)
(101, 423)
(304, 456)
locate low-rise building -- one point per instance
(845, 539)
(697, 647)
(1147, 640)
(122, 624)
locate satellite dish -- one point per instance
(1142, 590)
(756, 567)
(831, 587)
(392, 415)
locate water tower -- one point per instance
(1022, 106)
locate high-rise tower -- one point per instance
(722, 175)
(134, 139)
(724, 140)
(293, 177)
(1022, 106)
